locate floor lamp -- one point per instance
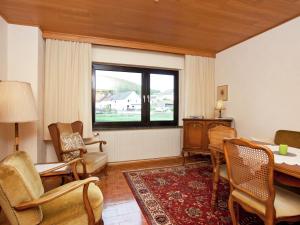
(17, 105)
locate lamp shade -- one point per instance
(17, 103)
(220, 104)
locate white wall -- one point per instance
(24, 62)
(124, 56)
(263, 75)
(3, 48)
(123, 145)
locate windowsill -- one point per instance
(136, 128)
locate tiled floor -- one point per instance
(120, 207)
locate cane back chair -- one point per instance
(250, 171)
(216, 135)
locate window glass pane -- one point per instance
(161, 97)
(118, 96)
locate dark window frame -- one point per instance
(145, 111)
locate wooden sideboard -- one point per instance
(195, 134)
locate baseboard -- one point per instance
(146, 161)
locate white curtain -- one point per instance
(68, 76)
(199, 86)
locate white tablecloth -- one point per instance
(293, 157)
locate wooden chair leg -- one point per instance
(183, 156)
(216, 177)
(269, 220)
(231, 210)
(238, 214)
(101, 222)
(214, 197)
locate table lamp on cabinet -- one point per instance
(17, 105)
(220, 107)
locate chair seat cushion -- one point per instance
(93, 160)
(286, 203)
(223, 171)
(69, 208)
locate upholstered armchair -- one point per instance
(24, 201)
(68, 144)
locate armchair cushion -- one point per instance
(93, 160)
(20, 182)
(70, 142)
(69, 208)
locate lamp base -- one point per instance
(16, 136)
(220, 113)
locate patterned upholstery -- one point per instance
(70, 142)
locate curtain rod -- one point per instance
(127, 44)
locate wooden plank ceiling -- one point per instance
(207, 26)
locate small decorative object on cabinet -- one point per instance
(195, 134)
(220, 107)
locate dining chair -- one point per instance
(250, 171)
(216, 136)
(24, 201)
(292, 139)
(288, 137)
(69, 144)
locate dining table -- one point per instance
(286, 167)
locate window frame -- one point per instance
(145, 90)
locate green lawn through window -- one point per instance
(110, 117)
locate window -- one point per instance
(134, 97)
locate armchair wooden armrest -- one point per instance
(72, 163)
(54, 195)
(94, 142)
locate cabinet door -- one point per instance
(193, 134)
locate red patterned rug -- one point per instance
(181, 196)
